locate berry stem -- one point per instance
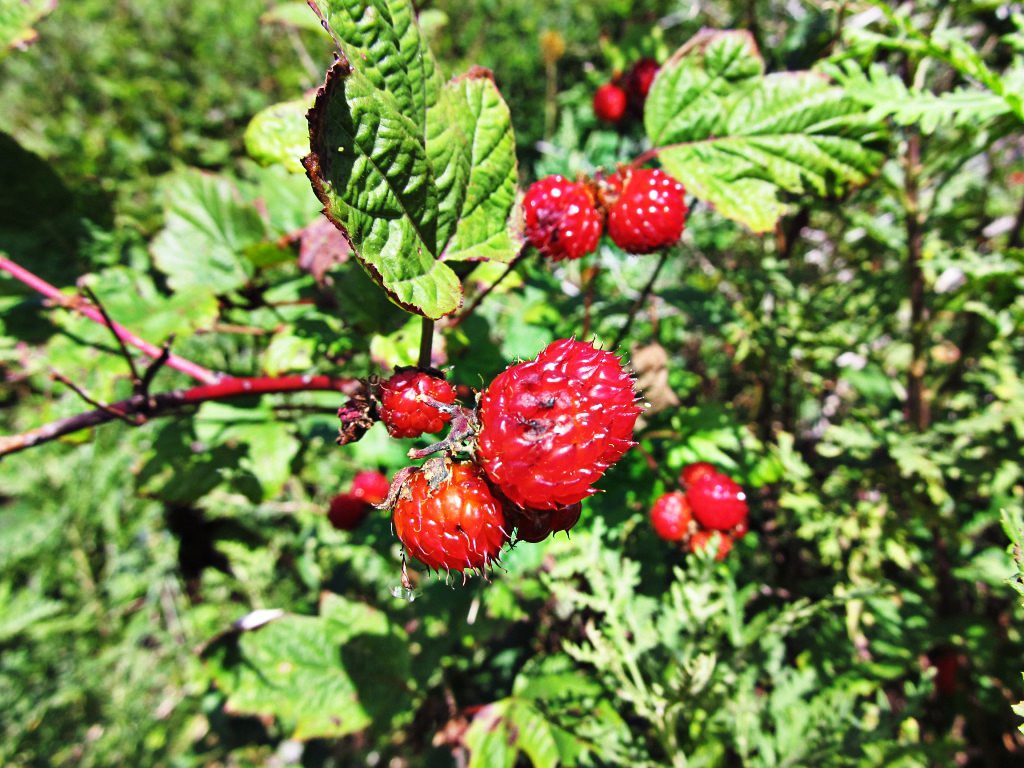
(641, 299)
(426, 342)
(125, 336)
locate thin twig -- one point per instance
(113, 411)
(468, 312)
(136, 379)
(640, 300)
(171, 402)
(153, 367)
(35, 282)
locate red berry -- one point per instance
(550, 427)
(403, 411)
(741, 530)
(671, 516)
(535, 525)
(691, 473)
(718, 502)
(638, 83)
(371, 487)
(451, 520)
(610, 103)
(347, 510)
(561, 220)
(702, 539)
(563, 518)
(646, 209)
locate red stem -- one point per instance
(197, 372)
(264, 385)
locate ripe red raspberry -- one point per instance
(404, 413)
(550, 427)
(638, 83)
(646, 209)
(347, 511)
(450, 518)
(561, 220)
(718, 502)
(671, 516)
(535, 525)
(691, 473)
(702, 539)
(610, 103)
(371, 487)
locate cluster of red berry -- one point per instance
(514, 468)
(626, 94)
(645, 211)
(712, 507)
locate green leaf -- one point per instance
(469, 135)
(279, 134)
(207, 228)
(317, 675)
(292, 14)
(738, 139)
(16, 20)
(271, 444)
(415, 172)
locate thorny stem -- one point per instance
(641, 299)
(142, 408)
(468, 312)
(187, 367)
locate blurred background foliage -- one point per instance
(858, 371)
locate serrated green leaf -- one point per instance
(206, 229)
(737, 139)
(415, 173)
(469, 136)
(280, 134)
